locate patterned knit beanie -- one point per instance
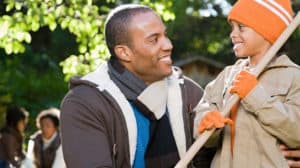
(269, 18)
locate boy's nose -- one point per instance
(233, 33)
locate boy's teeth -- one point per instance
(236, 46)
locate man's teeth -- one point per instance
(165, 59)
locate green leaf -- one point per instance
(35, 26)
(65, 23)
(19, 36)
(8, 48)
(9, 7)
(18, 5)
(59, 1)
(82, 48)
(52, 26)
(4, 28)
(27, 37)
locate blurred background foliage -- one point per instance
(45, 42)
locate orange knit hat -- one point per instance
(269, 18)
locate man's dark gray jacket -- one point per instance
(98, 124)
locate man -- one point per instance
(136, 109)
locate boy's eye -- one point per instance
(241, 26)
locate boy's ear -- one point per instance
(123, 52)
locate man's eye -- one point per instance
(153, 40)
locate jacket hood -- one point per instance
(276, 62)
(283, 61)
(76, 81)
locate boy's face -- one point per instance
(150, 50)
(247, 42)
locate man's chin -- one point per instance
(168, 73)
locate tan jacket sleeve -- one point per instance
(277, 106)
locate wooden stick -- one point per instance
(234, 98)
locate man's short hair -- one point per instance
(117, 24)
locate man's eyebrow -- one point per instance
(156, 34)
(152, 35)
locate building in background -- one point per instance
(201, 69)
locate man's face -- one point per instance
(150, 49)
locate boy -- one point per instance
(269, 109)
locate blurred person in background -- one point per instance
(44, 146)
(11, 138)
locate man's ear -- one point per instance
(123, 52)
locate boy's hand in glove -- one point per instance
(244, 82)
(213, 119)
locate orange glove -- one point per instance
(244, 82)
(213, 119)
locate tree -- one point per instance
(82, 18)
(31, 76)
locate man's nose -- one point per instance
(167, 44)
